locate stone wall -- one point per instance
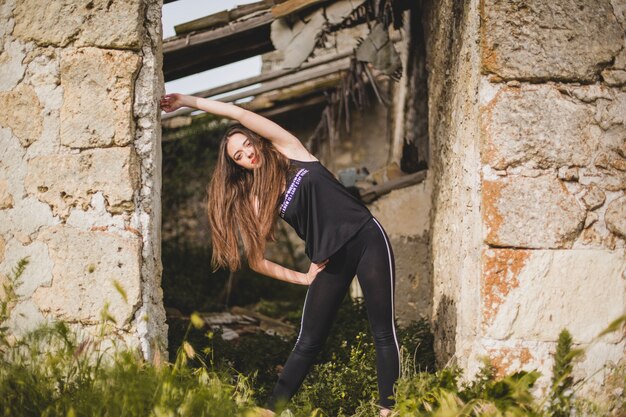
(80, 163)
(530, 161)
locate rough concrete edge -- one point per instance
(469, 309)
(150, 316)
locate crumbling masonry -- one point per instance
(80, 163)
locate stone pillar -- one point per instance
(553, 148)
(530, 207)
(80, 163)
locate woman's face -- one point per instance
(241, 150)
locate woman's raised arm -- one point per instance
(285, 142)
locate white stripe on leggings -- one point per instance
(393, 308)
(302, 319)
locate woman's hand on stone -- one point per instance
(314, 269)
(171, 102)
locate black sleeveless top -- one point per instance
(321, 211)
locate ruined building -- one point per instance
(499, 154)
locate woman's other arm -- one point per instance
(283, 141)
(272, 269)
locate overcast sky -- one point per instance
(182, 11)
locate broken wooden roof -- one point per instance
(225, 37)
(295, 28)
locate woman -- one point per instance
(262, 170)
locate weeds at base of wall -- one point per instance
(53, 372)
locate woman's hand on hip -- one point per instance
(314, 269)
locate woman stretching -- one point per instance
(263, 171)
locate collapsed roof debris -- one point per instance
(313, 70)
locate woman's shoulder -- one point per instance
(297, 153)
(299, 161)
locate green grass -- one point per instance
(53, 371)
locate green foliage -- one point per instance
(562, 381)
(442, 394)
(344, 380)
(339, 387)
(53, 371)
(259, 356)
(8, 300)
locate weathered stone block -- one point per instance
(39, 269)
(530, 213)
(411, 246)
(614, 77)
(512, 355)
(581, 290)
(538, 127)
(98, 96)
(6, 16)
(594, 197)
(607, 179)
(564, 40)
(615, 217)
(86, 267)
(506, 359)
(501, 269)
(27, 216)
(411, 204)
(611, 114)
(11, 63)
(6, 199)
(106, 23)
(591, 219)
(413, 292)
(66, 181)
(114, 24)
(21, 112)
(25, 318)
(568, 174)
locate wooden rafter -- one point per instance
(209, 46)
(223, 17)
(294, 6)
(277, 82)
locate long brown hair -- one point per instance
(232, 192)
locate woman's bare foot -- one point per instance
(384, 412)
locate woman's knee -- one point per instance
(384, 338)
(308, 347)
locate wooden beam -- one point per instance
(223, 17)
(204, 57)
(370, 194)
(174, 44)
(269, 76)
(286, 108)
(287, 81)
(216, 19)
(293, 6)
(197, 52)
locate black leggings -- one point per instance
(368, 255)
